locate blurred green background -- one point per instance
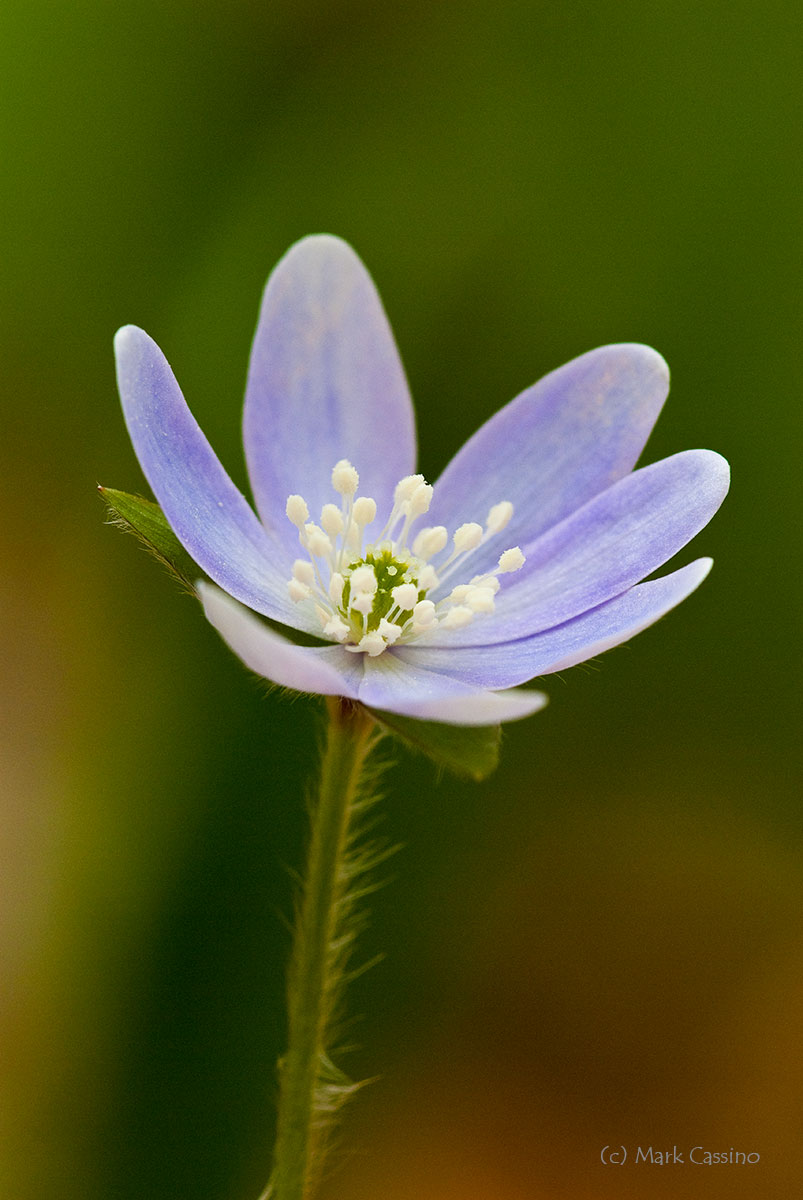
(602, 944)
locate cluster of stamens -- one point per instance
(372, 596)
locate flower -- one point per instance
(538, 534)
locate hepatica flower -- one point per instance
(429, 601)
(415, 600)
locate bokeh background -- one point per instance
(601, 945)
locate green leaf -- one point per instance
(149, 525)
(471, 750)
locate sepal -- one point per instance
(471, 751)
(149, 525)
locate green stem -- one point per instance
(316, 966)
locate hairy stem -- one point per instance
(310, 1087)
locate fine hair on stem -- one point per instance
(330, 914)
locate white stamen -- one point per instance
(363, 580)
(332, 520)
(480, 600)
(362, 602)
(430, 541)
(296, 509)
(337, 629)
(427, 579)
(424, 613)
(389, 631)
(420, 500)
(371, 644)
(421, 541)
(457, 617)
(337, 555)
(364, 511)
(498, 517)
(487, 581)
(405, 595)
(304, 571)
(345, 479)
(467, 537)
(405, 488)
(336, 585)
(511, 560)
(317, 541)
(353, 538)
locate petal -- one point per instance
(325, 382)
(482, 708)
(323, 670)
(209, 516)
(558, 649)
(556, 445)
(399, 686)
(332, 671)
(604, 548)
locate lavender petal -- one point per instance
(403, 687)
(324, 670)
(209, 516)
(560, 442)
(603, 549)
(325, 382)
(511, 663)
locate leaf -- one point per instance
(471, 750)
(149, 525)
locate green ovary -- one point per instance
(390, 572)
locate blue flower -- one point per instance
(537, 534)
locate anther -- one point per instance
(424, 613)
(371, 644)
(405, 595)
(336, 628)
(332, 520)
(405, 488)
(480, 600)
(336, 585)
(430, 541)
(364, 511)
(499, 516)
(457, 617)
(363, 579)
(420, 500)
(297, 590)
(511, 560)
(345, 479)
(303, 571)
(297, 511)
(362, 602)
(317, 542)
(468, 537)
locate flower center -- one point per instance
(369, 597)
